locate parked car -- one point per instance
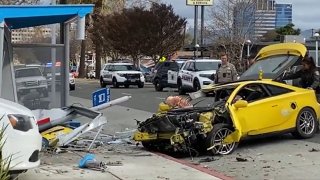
(195, 74)
(30, 79)
(48, 74)
(22, 140)
(146, 73)
(238, 110)
(166, 74)
(118, 74)
(91, 74)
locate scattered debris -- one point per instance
(299, 155)
(161, 177)
(240, 159)
(314, 150)
(279, 161)
(266, 167)
(89, 161)
(208, 159)
(116, 163)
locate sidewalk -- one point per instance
(137, 164)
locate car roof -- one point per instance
(204, 60)
(118, 64)
(27, 68)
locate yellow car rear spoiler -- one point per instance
(296, 49)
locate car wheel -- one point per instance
(157, 85)
(126, 85)
(196, 85)
(306, 124)
(141, 85)
(180, 88)
(214, 141)
(115, 83)
(102, 83)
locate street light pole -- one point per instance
(248, 42)
(316, 35)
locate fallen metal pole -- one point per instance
(72, 115)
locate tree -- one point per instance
(232, 23)
(166, 30)
(137, 31)
(287, 30)
(271, 35)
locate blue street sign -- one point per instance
(100, 96)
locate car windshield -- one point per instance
(270, 66)
(207, 65)
(124, 68)
(27, 72)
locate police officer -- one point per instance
(226, 72)
(310, 77)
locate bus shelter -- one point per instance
(34, 73)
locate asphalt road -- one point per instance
(146, 99)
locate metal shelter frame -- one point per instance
(15, 17)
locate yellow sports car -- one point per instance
(239, 110)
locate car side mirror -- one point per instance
(240, 104)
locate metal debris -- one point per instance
(314, 150)
(240, 159)
(208, 159)
(116, 163)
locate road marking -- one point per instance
(127, 94)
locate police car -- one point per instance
(194, 74)
(118, 74)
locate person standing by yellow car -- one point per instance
(310, 77)
(226, 72)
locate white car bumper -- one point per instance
(22, 147)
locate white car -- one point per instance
(118, 74)
(22, 138)
(195, 74)
(30, 79)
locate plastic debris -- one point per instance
(240, 159)
(89, 161)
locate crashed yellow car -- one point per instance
(238, 110)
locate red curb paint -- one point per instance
(209, 171)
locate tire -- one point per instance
(141, 85)
(217, 134)
(115, 83)
(196, 85)
(102, 83)
(157, 85)
(126, 85)
(180, 88)
(306, 124)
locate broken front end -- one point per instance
(187, 128)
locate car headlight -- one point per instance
(20, 122)
(120, 74)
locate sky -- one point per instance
(306, 13)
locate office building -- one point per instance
(283, 14)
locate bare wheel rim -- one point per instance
(306, 122)
(218, 145)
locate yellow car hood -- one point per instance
(296, 49)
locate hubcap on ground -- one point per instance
(218, 145)
(306, 122)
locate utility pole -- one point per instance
(195, 28)
(201, 31)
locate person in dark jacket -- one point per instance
(310, 77)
